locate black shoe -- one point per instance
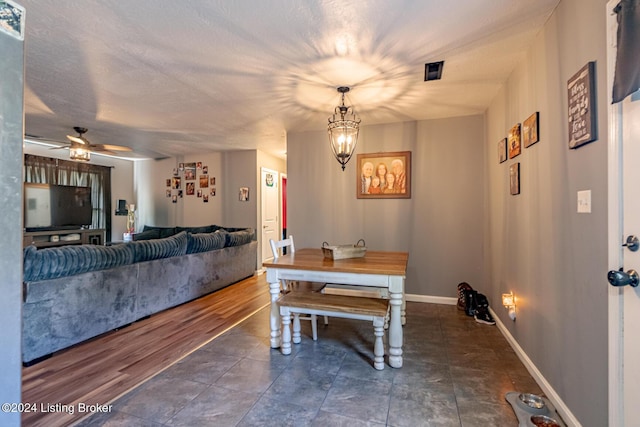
(464, 286)
(482, 301)
(482, 315)
(470, 302)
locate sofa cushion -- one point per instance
(240, 237)
(197, 230)
(147, 235)
(164, 231)
(51, 263)
(147, 250)
(202, 242)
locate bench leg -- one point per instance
(296, 328)
(286, 331)
(378, 347)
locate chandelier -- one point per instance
(343, 131)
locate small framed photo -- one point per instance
(205, 170)
(502, 150)
(204, 181)
(189, 171)
(169, 182)
(175, 183)
(514, 178)
(530, 130)
(514, 141)
(244, 194)
(191, 188)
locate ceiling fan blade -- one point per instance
(78, 139)
(110, 147)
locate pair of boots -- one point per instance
(474, 304)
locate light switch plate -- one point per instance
(584, 201)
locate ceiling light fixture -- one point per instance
(79, 153)
(343, 130)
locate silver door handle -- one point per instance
(620, 278)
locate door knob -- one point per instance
(620, 278)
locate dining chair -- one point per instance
(288, 285)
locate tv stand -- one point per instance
(52, 238)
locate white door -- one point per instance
(624, 218)
(270, 205)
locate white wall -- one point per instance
(537, 245)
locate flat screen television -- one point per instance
(56, 207)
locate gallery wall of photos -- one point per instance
(191, 180)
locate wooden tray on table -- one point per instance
(344, 251)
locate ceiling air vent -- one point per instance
(433, 71)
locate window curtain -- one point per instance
(44, 170)
(627, 70)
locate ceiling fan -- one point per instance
(82, 147)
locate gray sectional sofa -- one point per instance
(73, 293)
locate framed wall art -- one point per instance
(514, 141)
(581, 92)
(530, 129)
(514, 178)
(384, 175)
(502, 150)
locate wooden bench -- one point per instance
(349, 307)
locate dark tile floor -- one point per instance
(456, 373)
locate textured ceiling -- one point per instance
(168, 78)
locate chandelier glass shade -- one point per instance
(77, 152)
(343, 131)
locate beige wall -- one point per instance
(440, 225)
(157, 209)
(537, 245)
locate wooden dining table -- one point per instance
(376, 269)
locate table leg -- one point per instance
(395, 330)
(274, 290)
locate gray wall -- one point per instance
(552, 258)
(440, 225)
(11, 132)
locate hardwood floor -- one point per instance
(101, 370)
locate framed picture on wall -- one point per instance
(530, 130)
(514, 141)
(514, 178)
(502, 150)
(581, 94)
(384, 175)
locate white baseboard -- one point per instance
(430, 299)
(549, 392)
